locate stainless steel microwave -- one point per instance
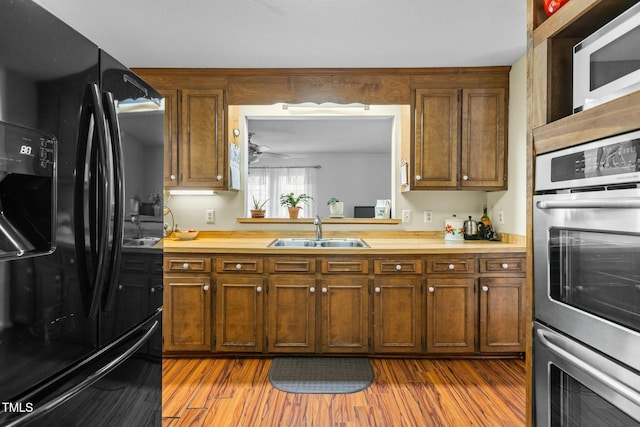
(606, 65)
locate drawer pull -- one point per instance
(485, 289)
(185, 265)
(418, 177)
(398, 267)
(505, 265)
(312, 289)
(205, 287)
(259, 289)
(465, 178)
(219, 177)
(238, 266)
(324, 290)
(173, 177)
(377, 289)
(452, 267)
(432, 289)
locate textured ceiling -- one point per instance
(301, 33)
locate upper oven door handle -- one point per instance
(580, 357)
(620, 203)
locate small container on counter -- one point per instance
(454, 229)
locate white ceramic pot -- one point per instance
(454, 229)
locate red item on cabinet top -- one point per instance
(551, 6)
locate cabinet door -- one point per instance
(483, 148)
(435, 162)
(450, 315)
(202, 143)
(292, 315)
(397, 315)
(186, 316)
(170, 137)
(239, 307)
(502, 314)
(345, 315)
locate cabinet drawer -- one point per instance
(238, 265)
(345, 266)
(381, 266)
(292, 265)
(451, 265)
(502, 265)
(200, 265)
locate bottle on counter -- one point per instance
(485, 218)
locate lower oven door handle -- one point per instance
(621, 203)
(557, 344)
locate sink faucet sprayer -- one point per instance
(318, 223)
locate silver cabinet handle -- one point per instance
(451, 266)
(505, 265)
(152, 290)
(485, 288)
(205, 287)
(377, 289)
(185, 265)
(432, 289)
(120, 287)
(238, 266)
(465, 178)
(172, 177)
(398, 267)
(324, 290)
(312, 289)
(259, 289)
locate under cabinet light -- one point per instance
(192, 192)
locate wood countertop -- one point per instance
(411, 243)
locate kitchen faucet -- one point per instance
(135, 219)
(318, 223)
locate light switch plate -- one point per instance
(406, 216)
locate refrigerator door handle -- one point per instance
(90, 380)
(92, 189)
(119, 197)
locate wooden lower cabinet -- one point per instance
(239, 314)
(397, 315)
(450, 315)
(502, 314)
(292, 315)
(345, 315)
(186, 316)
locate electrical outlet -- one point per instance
(500, 217)
(210, 216)
(406, 216)
(428, 217)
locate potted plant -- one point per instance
(336, 208)
(258, 211)
(291, 201)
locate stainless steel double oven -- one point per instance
(586, 226)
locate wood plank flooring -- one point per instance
(406, 393)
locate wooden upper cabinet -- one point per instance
(202, 146)
(170, 137)
(460, 140)
(483, 143)
(437, 133)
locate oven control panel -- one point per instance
(604, 162)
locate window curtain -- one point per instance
(270, 182)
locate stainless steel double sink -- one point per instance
(321, 243)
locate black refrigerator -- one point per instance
(81, 155)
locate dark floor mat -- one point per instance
(329, 375)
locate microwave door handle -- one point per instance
(558, 345)
(92, 122)
(89, 381)
(621, 203)
(117, 174)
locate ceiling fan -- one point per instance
(256, 151)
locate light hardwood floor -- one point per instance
(406, 392)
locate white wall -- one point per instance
(189, 210)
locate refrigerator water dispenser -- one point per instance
(27, 192)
